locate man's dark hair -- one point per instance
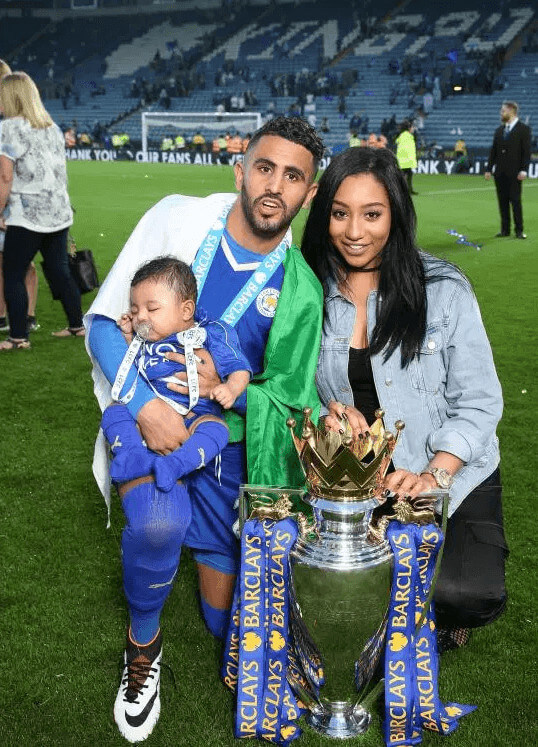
(177, 275)
(294, 129)
(512, 105)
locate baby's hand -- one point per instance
(223, 395)
(125, 323)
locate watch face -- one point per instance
(444, 479)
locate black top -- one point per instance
(512, 154)
(361, 380)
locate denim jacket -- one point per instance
(449, 397)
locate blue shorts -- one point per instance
(210, 534)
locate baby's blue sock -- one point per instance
(202, 447)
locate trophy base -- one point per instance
(339, 720)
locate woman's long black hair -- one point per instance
(401, 303)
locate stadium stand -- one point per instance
(355, 65)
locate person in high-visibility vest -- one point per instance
(223, 155)
(406, 152)
(198, 142)
(180, 142)
(116, 140)
(354, 140)
(167, 143)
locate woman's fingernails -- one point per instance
(386, 493)
(367, 433)
(341, 430)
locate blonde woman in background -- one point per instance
(30, 281)
(33, 192)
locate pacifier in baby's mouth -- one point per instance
(143, 330)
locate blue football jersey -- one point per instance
(232, 267)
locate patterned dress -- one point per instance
(38, 200)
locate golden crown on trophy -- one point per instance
(336, 466)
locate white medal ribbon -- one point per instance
(123, 370)
(190, 339)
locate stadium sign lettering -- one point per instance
(424, 165)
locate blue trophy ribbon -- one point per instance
(462, 239)
(411, 660)
(256, 656)
(252, 632)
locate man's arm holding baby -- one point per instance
(227, 379)
(208, 377)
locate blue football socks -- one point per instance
(144, 627)
(216, 620)
(151, 547)
(131, 458)
(208, 440)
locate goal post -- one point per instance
(210, 124)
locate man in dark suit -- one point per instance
(510, 154)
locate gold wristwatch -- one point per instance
(442, 477)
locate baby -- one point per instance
(162, 320)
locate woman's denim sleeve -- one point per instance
(108, 346)
(472, 391)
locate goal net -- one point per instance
(157, 125)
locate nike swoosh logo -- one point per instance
(142, 716)
(166, 583)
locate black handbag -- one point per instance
(83, 270)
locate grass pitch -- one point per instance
(62, 612)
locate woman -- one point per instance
(406, 152)
(33, 188)
(30, 280)
(402, 330)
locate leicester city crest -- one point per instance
(267, 300)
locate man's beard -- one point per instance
(266, 228)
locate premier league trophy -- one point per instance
(341, 569)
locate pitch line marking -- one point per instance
(461, 191)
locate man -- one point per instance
(510, 154)
(249, 275)
(461, 157)
(406, 152)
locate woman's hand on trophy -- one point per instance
(407, 484)
(339, 414)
